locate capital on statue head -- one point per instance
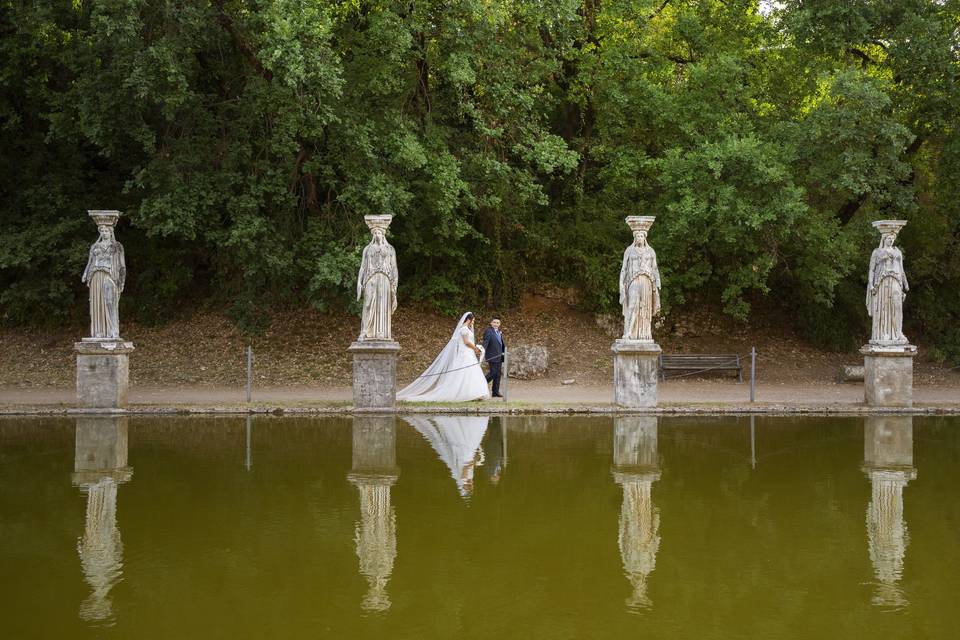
(379, 221)
(891, 227)
(107, 217)
(639, 223)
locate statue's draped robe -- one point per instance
(885, 306)
(105, 275)
(639, 292)
(887, 535)
(101, 552)
(376, 540)
(378, 284)
(638, 540)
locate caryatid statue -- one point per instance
(888, 462)
(377, 282)
(100, 467)
(636, 467)
(639, 282)
(374, 473)
(887, 286)
(105, 275)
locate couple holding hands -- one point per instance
(455, 374)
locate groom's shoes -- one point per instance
(497, 395)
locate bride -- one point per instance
(455, 375)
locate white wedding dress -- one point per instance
(456, 439)
(454, 376)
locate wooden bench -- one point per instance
(700, 362)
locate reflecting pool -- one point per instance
(476, 527)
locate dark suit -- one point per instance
(494, 348)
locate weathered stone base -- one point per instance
(375, 444)
(374, 374)
(101, 450)
(888, 442)
(103, 372)
(888, 375)
(635, 369)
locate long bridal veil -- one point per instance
(431, 381)
(457, 440)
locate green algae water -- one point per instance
(474, 527)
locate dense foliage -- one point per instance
(245, 139)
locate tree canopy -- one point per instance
(245, 140)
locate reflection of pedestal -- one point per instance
(103, 372)
(888, 462)
(374, 374)
(635, 365)
(636, 468)
(100, 466)
(888, 375)
(374, 472)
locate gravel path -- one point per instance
(678, 392)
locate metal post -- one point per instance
(506, 375)
(248, 461)
(753, 446)
(503, 432)
(753, 374)
(249, 372)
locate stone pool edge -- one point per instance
(585, 409)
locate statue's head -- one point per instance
(106, 231)
(378, 236)
(887, 239)
(640, 237)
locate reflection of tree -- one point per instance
(888, 462)
(99, 468)
(636, 468)
(376, 539)
(374, 472)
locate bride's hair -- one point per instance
(469, 316)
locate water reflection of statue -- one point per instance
(374, 472)
(888, 462)
(105, 275)
(636, 468)
(456, 439)
(639, 283)
(377, 282)
(887, 287)
(100, 466)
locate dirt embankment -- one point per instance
(307, 348)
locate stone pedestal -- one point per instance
(101, 451)
(635, 369)
(375, 445)
(103, 372)
(888, 375)
(374, 374)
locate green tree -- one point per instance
(245, 139)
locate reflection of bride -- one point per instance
(455, 374)
(456, 439)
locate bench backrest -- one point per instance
(697, 360)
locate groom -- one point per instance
(494, 348)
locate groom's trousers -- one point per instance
(494, 374)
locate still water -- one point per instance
(474, 527)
